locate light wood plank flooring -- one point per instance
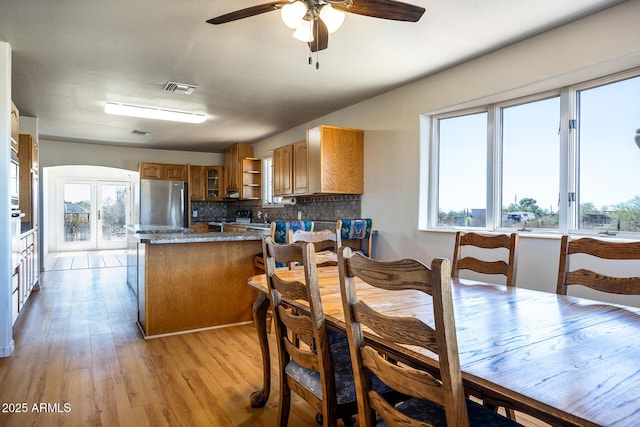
(77, 345)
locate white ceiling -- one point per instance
(71, 56)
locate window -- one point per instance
(609, 177)
(530, 164)
(462, 188)
(562, 161)
(268, 200)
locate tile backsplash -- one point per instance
(318, 208)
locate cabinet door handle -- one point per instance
(98, 214)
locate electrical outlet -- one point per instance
(195, 214)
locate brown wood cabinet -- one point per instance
(200, 228)
(193, 285)
(213, 182)
(243, 172)
(300, 167)
(207, 183)
(282, 163)
(329, 161)
(169, 172)
(28, 156)
(15, 127)
(336, 160)
(233, 165)
(196, 182)
(251, 178)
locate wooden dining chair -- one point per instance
(355, 233)
(603, 251)
(309, 365)
(436, 399)
(325, 243)
(469, 246)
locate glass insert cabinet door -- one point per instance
(213, 183)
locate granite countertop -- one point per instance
(167, 238)
(156, 229)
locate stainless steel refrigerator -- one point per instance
(163, 202)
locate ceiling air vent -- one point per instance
(183, 88)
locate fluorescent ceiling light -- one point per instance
(153, 113)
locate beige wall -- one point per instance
(594, 46)
(57, 153)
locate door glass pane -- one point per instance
(113, 211)
(531, 164)
(77, 212)
(462, 181)
(609, 194)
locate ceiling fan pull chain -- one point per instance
(317, 27)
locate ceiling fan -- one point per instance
(313, 20)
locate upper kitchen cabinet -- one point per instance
(15, 127)
(206, 183)
(330, 161)
(164, 171)
(251, 178)
(28, 157)
(243, 172)
(196, 182)
(300, 169)
(213, 182)
(282, 168)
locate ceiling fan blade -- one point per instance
(245, 13)
(320, 36)
(384, 9)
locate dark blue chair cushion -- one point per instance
(345, 388)
(424, 410)
(280, 234)
(281, 228)
(356, 229)
(336, 337)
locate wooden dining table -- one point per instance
(565, 360)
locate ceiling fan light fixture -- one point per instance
(304, 32)
(292, 13)
(332, 18)
(153, 113)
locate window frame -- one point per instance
(568, 210)
(268, 199)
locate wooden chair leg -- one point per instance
(285, 404)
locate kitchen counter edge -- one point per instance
(169, 238)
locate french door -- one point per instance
(92, 214)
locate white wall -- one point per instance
(58, 153)
(6, 335)
(597, 45)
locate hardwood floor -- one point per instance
(80, 360)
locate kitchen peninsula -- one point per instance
(190, 281)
